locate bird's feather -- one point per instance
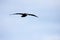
(17, 14)
(32, 15)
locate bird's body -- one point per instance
(24, 14)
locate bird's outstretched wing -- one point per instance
(32, 15)
(16, 14)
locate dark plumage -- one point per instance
(24, 14)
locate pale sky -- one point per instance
(46, 27)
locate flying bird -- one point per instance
(24, 14)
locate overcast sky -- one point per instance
(46, 27)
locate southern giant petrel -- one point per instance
(24, 14)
